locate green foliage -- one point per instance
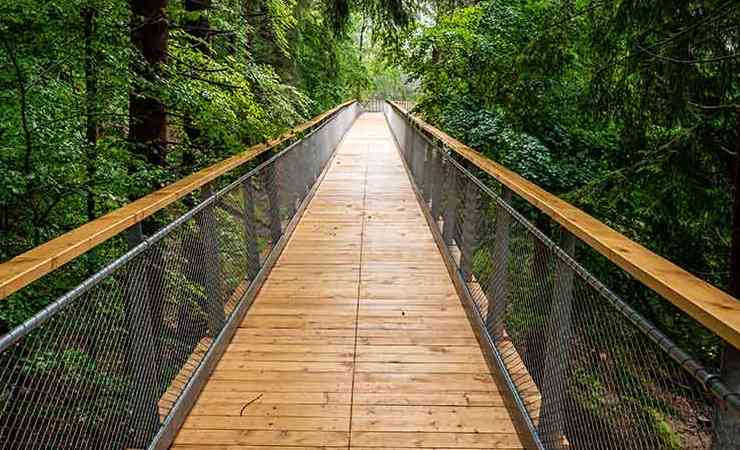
(607, 106)
(246, 72)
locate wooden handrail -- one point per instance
(28, 267)
(710, 306)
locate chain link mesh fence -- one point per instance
(586, 370)
(103, 366)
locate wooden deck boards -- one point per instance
(357, 339)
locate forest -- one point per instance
(105, 101)
(627, 109)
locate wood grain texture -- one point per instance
(358, 338)
(710, 306)
(39, 261)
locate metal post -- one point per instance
(142, 357)
(450, 212)
(436, 183)
(272, 186)
(250, 230)
(726, 433)
(498, 285)
(208, 227)
(428, 156)
(418, 157)
(290, 182)
(555, 380)
(408, 137)
(469, 231)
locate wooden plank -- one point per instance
(423, 367)
(267, 423)
(228, 386)
(444, 419)
(468, 398)
(507, 441)
(710, 306)
(248, 407)
(286, 438)
(242, 447)
(303, 398)
(292, 356)
(413, 382)
(23, 269)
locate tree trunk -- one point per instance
(147, 113)
(727, 424)
(199, 29)
(91, 108)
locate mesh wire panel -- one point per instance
(103, 366)
(588, 371)
(373, 105)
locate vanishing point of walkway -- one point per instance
(358, 338)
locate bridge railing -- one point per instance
(584, 368)
(118, 361)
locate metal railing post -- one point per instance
(142, 357)
(555, 381)
(408, 147)
(250, 229)
(498, 286)
(469, 230)
(436, 183)
(428, 169)
(211, 264)
(290, 182)
(418, 159)
(726, 433)
(451, 201)
(272, 186)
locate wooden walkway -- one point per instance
(358, 338)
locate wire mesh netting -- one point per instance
(103, 366)
(586, 370)
(373, 105)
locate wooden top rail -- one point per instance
(707, 304)
(28, 267)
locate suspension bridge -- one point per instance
(364, 281)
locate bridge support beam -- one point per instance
(555, 382)
(498, 285)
